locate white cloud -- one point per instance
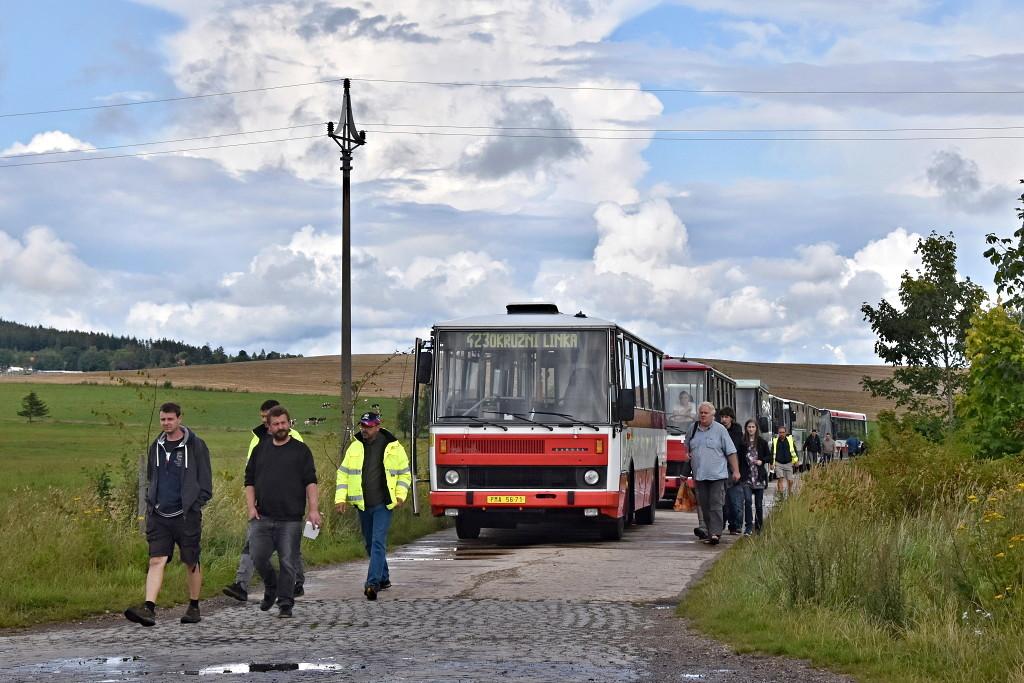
(50, 141)
(41, 263)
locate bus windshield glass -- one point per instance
(495, 375)
(684, 391)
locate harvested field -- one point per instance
(829, 386)
(385, 375)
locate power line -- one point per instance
(686, 91)
(622, 130)
(157, 142)
(699, 139)
(499, 85)
(165, 151)
(164, 100)
(695, 130)
(507, 135)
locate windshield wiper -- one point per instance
(526, 419)
(474, 419)
(576, 420)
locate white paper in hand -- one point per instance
(311, 531)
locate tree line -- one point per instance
(47, 348)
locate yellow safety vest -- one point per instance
(792, 449)
(349, 488)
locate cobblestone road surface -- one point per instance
(533, 605)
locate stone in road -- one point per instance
(537, 604)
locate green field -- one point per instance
(68, 487)
(90, 427)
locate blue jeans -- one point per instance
(734, 506)
(266, 536)
(753, 509)
(375, 522)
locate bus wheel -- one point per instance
(466, 529)
(646, 515)
(613, 529)
(631, 513)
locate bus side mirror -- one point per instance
(424, 367)
(625, 407)
(763, 425)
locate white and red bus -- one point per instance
(539, 416)
(843, 425)
(688, 384)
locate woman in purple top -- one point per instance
(753, 476)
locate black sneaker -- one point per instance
(299, 591)
(268, 601)
(284, 611)
(700, 533)
(191, 615)
(141, 615)
(370, 592)
(384, 585)
(236, 591)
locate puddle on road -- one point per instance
(264, 668)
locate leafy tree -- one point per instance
(993, 405)
(33, 406)
(1008, 258)
(925, 338)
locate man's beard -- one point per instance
(280, 434)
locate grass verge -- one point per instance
(890, 569)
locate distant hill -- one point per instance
(825, 386)
(47, 348)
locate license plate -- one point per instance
(506, 499)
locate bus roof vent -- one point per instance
(532, 307)
(581, 314)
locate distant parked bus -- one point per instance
(753, 402)
(541, 416)
(842, 425)
(687, 385)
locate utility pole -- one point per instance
(347, 139)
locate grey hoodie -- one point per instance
(196, 477)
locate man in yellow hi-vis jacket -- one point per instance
(374, 476)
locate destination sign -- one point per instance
(523, 340)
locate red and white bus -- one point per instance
(843, 425)
(687, 385)
(538, 416)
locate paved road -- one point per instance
(532, 605)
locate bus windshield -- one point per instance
(495, 375)
(684, 391)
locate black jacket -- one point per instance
(764, 454)
(812, 444)
(196, 477)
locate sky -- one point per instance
(672, 166)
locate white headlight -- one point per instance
(591, 477)
(452, 477)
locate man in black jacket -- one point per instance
(180, 484)
(280, 482)
(733, 510)
(812, 448)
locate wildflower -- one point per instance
(76, 498)
(1020, 486)
(999, 597)
(999, 556)
(1017, 538)
(974, 499)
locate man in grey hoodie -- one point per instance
(180, 484)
